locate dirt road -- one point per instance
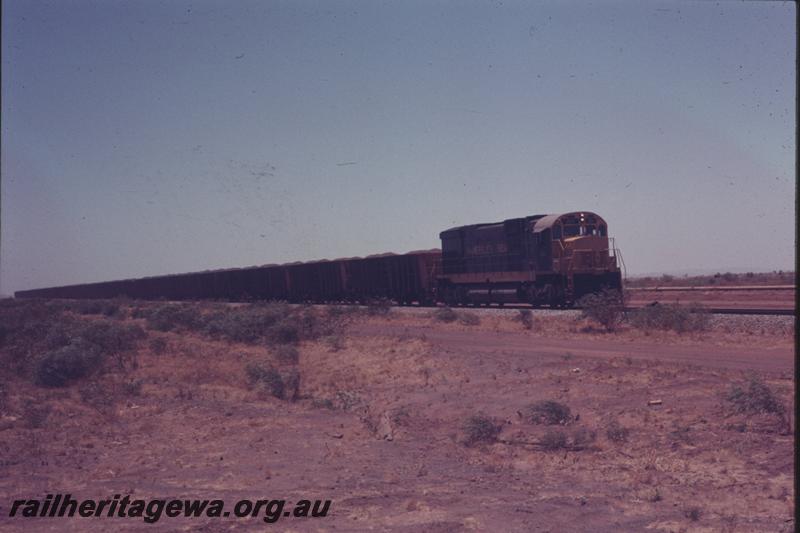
(519, 344)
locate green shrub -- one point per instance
(87, 307)
(59, 334)
(606, 307)
(284, 333)
(480, 428)
(55, 348)
(170, 316)
(275, 323)
(23, 317)
(68, 363)
(235, 326)
(113, 338)
(548, 412)
(110, 309)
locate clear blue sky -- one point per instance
(146, 137)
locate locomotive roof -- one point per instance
(473, 226)
(542, 221)
(548, 221)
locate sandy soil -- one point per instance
(379, 429)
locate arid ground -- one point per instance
(406, 419)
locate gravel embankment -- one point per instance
(762, 324)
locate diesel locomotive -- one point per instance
(548, 260)
(540, 259)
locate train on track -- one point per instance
(542, 260)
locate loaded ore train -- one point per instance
(550, 260)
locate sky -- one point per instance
(154, 137)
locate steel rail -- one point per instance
(715, 288)
(735, 311)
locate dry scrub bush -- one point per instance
(755, 397)
(35, 413)
(557, 439)
(582, 436)
(547, 412)
(287, 354)
(554, 439)
(525, 317)
(98, 395)
(673, 317)
(132, 387)
(606, 308)
(323, 403)
(693, 513)
(469, 319)
(266, 379)
(379, 307)
(335, 342)
(158, 345)
(291, 384)
(480, 429)
(616, 432)
(445, 314)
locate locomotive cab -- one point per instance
(581, 254)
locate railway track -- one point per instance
(737, 311)
(704, 288)
(708, 309)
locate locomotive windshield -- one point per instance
(577, 230)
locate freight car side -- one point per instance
(402, 278)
